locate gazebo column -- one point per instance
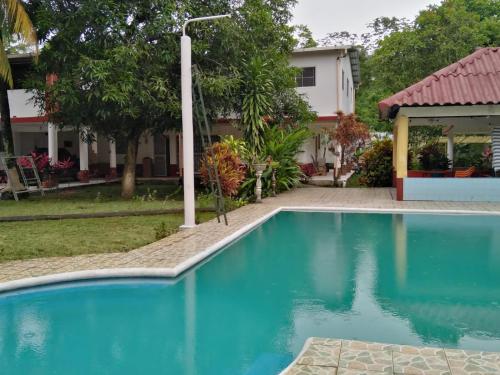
(402, 123)
(449, 148)
(112, 159)
(394, 154)
(52, 143)
(84, 175)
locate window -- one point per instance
(306, 77)
(347, 87)
(343, 79)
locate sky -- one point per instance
(324, 16)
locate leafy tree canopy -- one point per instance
(397, 53)
(118, 62)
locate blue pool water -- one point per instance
(410, 279)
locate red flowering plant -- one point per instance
(42, 163)
(229, 166)
(41, 160)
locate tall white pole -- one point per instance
(187, 123)
(187, 133)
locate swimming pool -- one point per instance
(400, 278)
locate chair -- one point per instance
(466, 173)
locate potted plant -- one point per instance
(432, 158)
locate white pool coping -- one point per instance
(145, 272)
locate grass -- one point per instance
(98, 198)
(353, 182)
(28, 240)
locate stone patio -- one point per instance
(345, 357)
(178, 248)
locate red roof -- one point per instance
(473, 80)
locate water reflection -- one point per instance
(412, 279)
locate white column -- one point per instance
(112, 154)
(84, 153)
(52, 140)
(449, 148)
(187, 133)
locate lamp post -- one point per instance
(187, 123)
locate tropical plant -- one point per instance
(229, 166)
(256, 102)
(376, 164)
(433, 157)
(280, 149)
(237, 145)
(15, 26)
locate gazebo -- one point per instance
(463, 98)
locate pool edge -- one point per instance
(134, 272)
(170, 273)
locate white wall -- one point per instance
(347, 94)
(21, 104)
(323, 96)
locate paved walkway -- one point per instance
(179, 247)
(346, 357)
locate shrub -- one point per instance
(376, 164)
(280, 148)
(41, 160)
(230, 168)
(308, 169)
(433, 157)
(470, 154)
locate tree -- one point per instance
(252, 78)
(256, 102)
(349, 135)
(16, 25)
(118, 65)
(396, 53)
(116, 69)
(304, 37)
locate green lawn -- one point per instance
(26, 240)
(353, 182)
(98, 198)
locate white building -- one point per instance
(328, 79)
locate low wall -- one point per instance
(452, 189)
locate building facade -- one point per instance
(328, 78)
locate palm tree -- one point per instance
(14, 22)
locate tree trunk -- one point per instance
(6, 133)
(128, 178)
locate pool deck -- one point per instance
(322, 356)
(181, 250)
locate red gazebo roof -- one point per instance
(475, 79)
